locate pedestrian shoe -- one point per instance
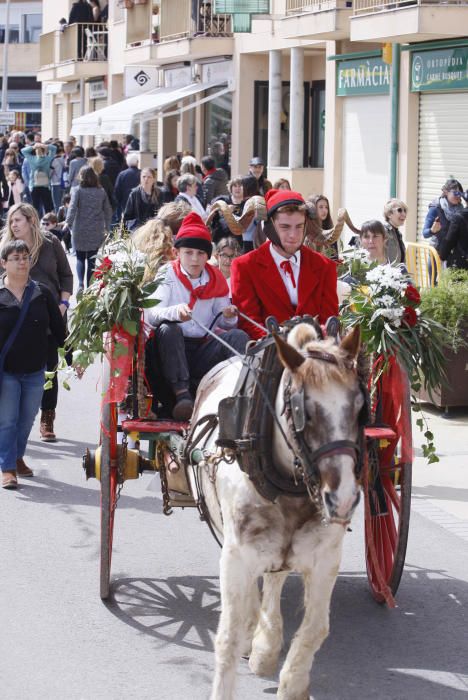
(9, 480)
(47, 426)
(22, 468)
(183, 409)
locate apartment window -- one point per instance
(14, 34)
(32, 28)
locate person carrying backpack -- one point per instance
(40, 157)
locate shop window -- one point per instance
(318, 123)
(218, 129)
(261, 123)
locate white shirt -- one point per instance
(295, 261)
(171, 293)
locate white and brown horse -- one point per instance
(292, 534)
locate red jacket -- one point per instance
(258, 289)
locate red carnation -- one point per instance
(412, 294)
(410, 316)
(104, 266)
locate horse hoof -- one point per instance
(262, 666)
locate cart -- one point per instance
(386, 472)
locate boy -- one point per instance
(192, 290)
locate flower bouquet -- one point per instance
(395, 332)
(108, 316)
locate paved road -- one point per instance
(58, 641)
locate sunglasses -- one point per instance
(401, 210)
(456, 193)
(46, 223)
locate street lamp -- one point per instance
(5, 58)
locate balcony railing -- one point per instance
(294, 7)
(78, 42)
(184, 18)
(368, 6)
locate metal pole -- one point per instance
(5, 58)
(395, 99)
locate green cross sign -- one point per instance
(242, 11)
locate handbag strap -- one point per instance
(31, 286)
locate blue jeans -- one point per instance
(57, 194)
(20, 399)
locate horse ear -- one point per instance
(289, 356)
(351, 343)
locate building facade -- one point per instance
(23, 89)
(358, 99)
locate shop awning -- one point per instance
(121, 117)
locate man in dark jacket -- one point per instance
(214, 180)
(81, 13)
(126, 180)
(111, 166)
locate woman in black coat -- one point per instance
(169, 191)
(144, 200)
(454, 247)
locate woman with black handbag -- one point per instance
(28, 315)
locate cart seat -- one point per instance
(153, 426)
(374, 432)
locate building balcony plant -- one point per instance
(447, 303)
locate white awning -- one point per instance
(121, 117)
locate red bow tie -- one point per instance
(287, 268)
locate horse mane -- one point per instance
(315, 373)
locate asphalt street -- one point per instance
(154, 640)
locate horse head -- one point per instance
(320, 399)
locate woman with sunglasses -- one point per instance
(442, 211)
(227, 249)
(49, 266)
(395, 212)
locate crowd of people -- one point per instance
(61, 201)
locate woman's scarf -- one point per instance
(450, 210)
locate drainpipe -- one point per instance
(395, 99)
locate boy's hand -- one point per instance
(230, 311)
(185, 312)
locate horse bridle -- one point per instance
(307, 460)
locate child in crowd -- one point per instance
(49, 222)
(192, 290)
(61, 216)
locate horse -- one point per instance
(302, 534)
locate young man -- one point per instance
(192, 291)
(283, 278)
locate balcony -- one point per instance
(78, 52)
(405, 21)
(175, 30)
(316, 19)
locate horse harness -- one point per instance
(246, 424)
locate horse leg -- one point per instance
(318, 587)
(268, 637)
(252, 611)
(236, 584)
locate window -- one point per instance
(261, 123)
(32, 28)
(318, 123)
(218, 128)
(14, 34)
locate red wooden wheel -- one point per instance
(388, 492)
(109, 481)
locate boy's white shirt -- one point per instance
(171, 293)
